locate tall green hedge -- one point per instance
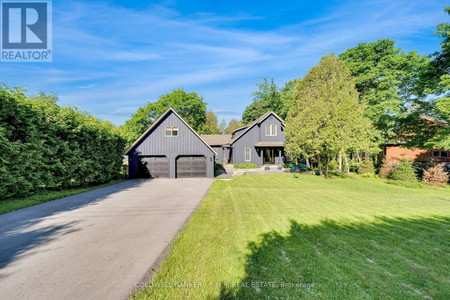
(45, 146)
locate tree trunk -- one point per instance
(340, 162)
(326, 166)
(320, 165)
(308, 165)
(358, 157)
(347, 168)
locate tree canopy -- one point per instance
(269, 97)
(222, 127)
(232, 125)
(326, 117)
(190, 106)
(385, 77)
(211, 126)
(434, 88)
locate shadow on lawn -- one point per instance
(393, 258)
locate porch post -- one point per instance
(223, 155)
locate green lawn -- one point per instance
(269, 236)
(18, 203)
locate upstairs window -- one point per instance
(271, 130)
(171, 131)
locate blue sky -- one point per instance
(109, 58)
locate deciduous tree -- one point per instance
(222, 127)
(232, 125)
(190, 106)
(211, 123)
(385, 79)
(434, 88)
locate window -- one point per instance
(248, 155)
(171, 131)
(438, 153)
(271, 130)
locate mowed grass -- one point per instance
(277, 236)
(18, 203)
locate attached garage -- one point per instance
(191, 166)
(153, 166)
(170, 148)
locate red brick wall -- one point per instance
(395, 153)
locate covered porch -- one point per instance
(272, 153)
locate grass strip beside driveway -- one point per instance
(18, 203)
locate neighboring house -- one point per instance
(395, 152)
(170, 148)
(261, 142)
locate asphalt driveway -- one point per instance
(95, 245)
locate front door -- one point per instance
(269, 156)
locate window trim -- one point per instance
(440, 153)
(272, 130)
(171, 131)
(249, 154)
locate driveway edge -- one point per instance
(148, 277)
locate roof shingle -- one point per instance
(216, 139)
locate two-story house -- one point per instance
(261, 142)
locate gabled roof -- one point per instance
(239, 129)
(169, 110)
(217, 139)
(259, 121)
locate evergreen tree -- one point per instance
(45, 146)
(404, 171)
(366, 166)
(326, 117)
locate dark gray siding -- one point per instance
(155, 143)
(237, 132)
(255, 135)
(228, 155)
(219, 151)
